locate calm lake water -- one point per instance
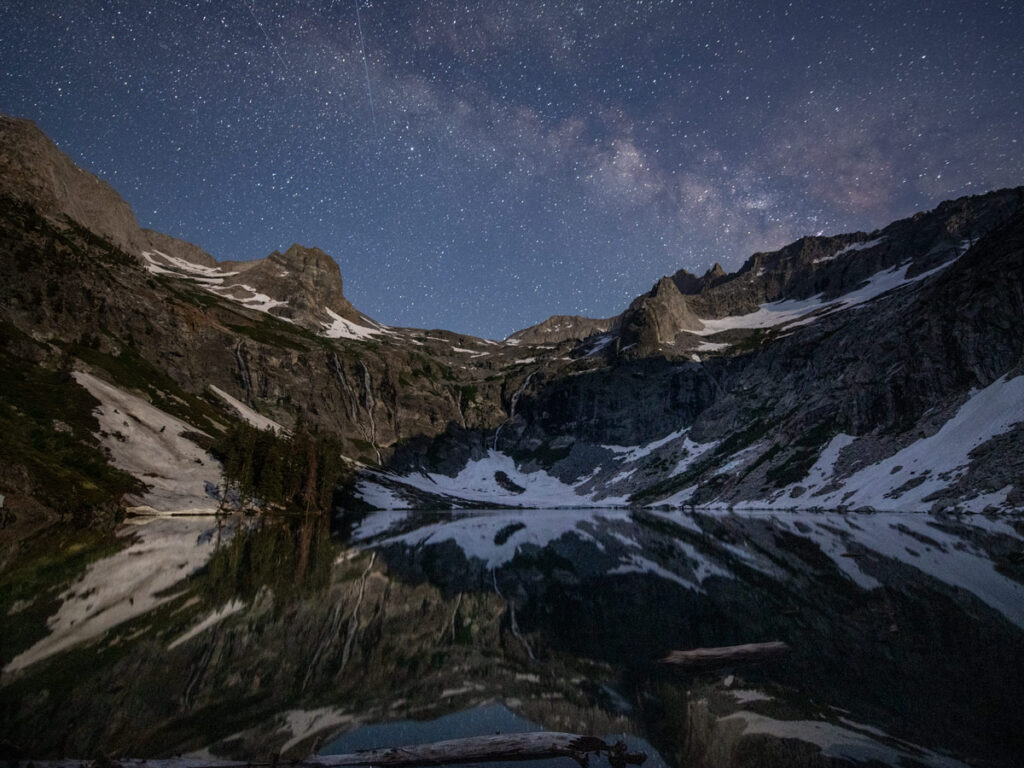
(243, 638)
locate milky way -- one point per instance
(529, 157)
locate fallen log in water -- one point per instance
(727, 656)
(541, 745)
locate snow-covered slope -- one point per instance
(795, 312)
(152, 445)
(234, 283)
(492, 480)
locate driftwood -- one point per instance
(541, 745)
(727, 656)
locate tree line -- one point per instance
(298, 472)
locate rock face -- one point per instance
(34, 171)
(559, 328)
(306, 279)
(655, 321)
(178, 249)
(873, 369)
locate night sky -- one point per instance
(521, 159)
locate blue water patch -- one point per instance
(486, 720)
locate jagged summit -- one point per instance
(306, 280)
(832, 271)
(302, 284)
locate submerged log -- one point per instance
(540, 745)
(727, 656)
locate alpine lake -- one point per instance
(252, 638)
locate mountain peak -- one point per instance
(303, 257)
(307, 282)
(716, 271)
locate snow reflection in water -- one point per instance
(960, 551)
(279, 638)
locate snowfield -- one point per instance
(478, 483)
(148, 443)
(796, 312)
(248, 414)
(904, 481)
(340, 328)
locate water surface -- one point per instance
(241, 638)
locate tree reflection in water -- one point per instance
(290, 636)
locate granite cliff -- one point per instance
(877, 370)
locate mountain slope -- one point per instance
(862, 347)
(800, 380)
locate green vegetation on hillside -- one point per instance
(48, 449)
(298, 472)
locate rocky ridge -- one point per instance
(778, 385)
(799, 381)
(559, 328)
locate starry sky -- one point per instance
(489, 163)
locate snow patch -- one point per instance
(181, 267)
(850, 249)
(711, 346)
(249, 297)
(477, 483)
(678, 499)
(935, 463)
(212, 279)
(379, 496)
(747, 695)
(794, 312)
(147, 443)
(693, 450)
(248, 414)
(637, 452)
(821, 473)
(598, 343)
(303, 723)
(340, 328)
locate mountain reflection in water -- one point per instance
(240, 638)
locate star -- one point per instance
(539, 156)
